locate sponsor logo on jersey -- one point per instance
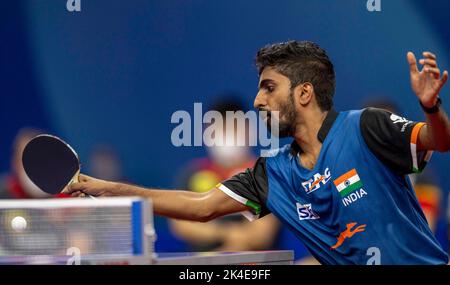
(348, 233)
(350, 187)
(316, 181)
(397, 119)
(400, 120)
(305, 212)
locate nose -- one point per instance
(260, 101)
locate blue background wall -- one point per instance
(116, 71)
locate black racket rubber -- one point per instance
(50, 163)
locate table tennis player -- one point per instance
(342, 184)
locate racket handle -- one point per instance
(76, 180)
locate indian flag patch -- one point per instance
(348, 183)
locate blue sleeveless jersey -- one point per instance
(351, 208)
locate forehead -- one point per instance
(271, 74)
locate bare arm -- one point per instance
(176, 204)
(435, 135)
(427, 84)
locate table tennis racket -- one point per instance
(51, 163)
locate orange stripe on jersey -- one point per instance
(415, 132)
(344, 177)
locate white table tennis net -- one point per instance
(53, 226)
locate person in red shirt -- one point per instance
(230, 233)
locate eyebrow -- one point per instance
(264, 82)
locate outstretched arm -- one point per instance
(183, 205)
(427, 83)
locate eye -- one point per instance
(270, 88)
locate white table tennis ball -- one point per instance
(19, 224)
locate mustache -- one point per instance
(269, 113)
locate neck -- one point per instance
(306, 132)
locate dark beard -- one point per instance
(287, 122)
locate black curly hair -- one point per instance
(301, 61)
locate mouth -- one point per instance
(265, 114)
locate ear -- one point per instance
(304, 92)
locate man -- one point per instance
(342, 184)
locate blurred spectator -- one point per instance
(231, 233)
(429, 196)
(16, 184)
(427, 191)
(104, 163)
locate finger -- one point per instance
(430, 55)
(74, 187)
(412, 62)
(432, 70)
(443, 79)
(76, 194)
(428, 62)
